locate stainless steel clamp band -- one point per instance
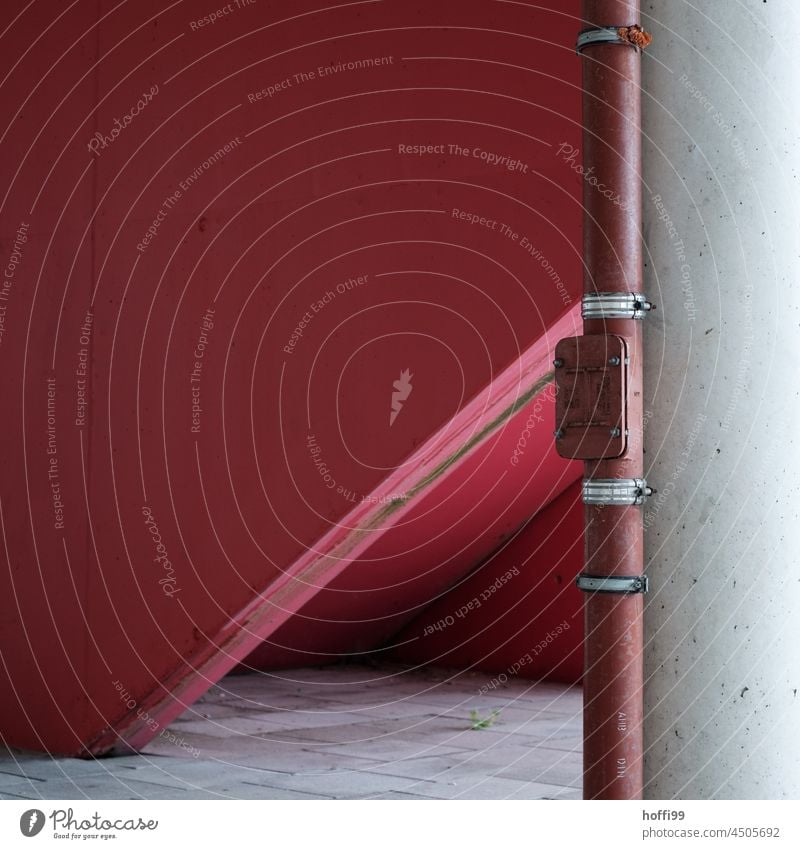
(612, 584)
(606, 35)
(615, 492)
(606, 305)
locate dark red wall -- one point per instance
(419, 564)
(519, 613)
(311, 191)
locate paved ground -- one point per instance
(347, 732)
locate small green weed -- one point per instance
(479, 721)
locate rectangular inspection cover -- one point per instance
(591, 421)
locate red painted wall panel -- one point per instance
(182, 223)
(417, 565)
(518, 613)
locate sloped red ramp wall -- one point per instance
(251, 263)
(519, 613)
(470, 509)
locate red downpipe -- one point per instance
(613, 679)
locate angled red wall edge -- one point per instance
(215, 270)
(519, 613)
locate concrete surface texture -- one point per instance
(721, 224)
(344, 732)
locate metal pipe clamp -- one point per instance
(613, 584)
(615, 492)
(602, 35)
(606, 305)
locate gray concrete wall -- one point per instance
(722, 230)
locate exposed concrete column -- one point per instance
(722, 399)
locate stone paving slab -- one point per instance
(302, 720)
(387, 749)
(461, 735)
(109, 787)
(339, 784)
(208, 772)
(512, 720)
(362, 731)
(555, 703)
(209, 710)
(253, 723)
(549, 766)
(426, 695)
(15, 780)
(514, 762)
(246, 790)
(562, 744)
(431, 768)
(343, 732)
(19, 765)
(18, 792)
(177, 772)
(520, 713)
(483, 788)
(536, 732)
(223, 727)
(399, 795)
(237, 745)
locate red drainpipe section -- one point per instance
(599, 408)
